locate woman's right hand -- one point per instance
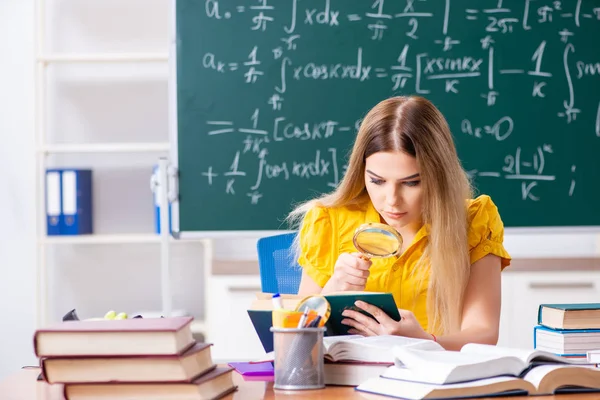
(350, 273)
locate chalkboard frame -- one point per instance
(174, 157)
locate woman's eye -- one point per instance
(412, 183)
(377, 181)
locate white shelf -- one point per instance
(124, 238)
(73, 61)
(106, 148)
(104, 58)
(198, 326)
(102, 239)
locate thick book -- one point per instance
(566, 343)
(570, 316)
(351, 373)
(376, 349)
(137, 336)
(472, 362)
(213, 385)
(541, 380)
(140, 368)
(260, 312)
(352, 359)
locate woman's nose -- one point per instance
(393, 198)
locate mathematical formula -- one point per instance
(413, 70)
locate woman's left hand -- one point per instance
(366, 326)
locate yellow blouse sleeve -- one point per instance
(316, 245)
(486, 231)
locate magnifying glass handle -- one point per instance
(364, 257)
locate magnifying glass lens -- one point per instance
(377, 240)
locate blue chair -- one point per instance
(279, 271)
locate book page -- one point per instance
(372, 348)
(535, 375)
(498, 351)
(548, 378)
(414, 358)
(416, 390)
(525, 355)
(453, 366)
(329, 341)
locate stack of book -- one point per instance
(479, 370)
(569, 330)
(146, 358)
(352, 359)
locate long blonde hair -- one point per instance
(415, 126)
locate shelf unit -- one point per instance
(104, 148)
(139, 238)
(103, 58)
(43, 60)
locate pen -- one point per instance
(303, 318)
(315, 322)
(277, 305)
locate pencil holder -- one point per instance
(298, 358)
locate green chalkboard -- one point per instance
(269, 95)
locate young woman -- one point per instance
(404, 171)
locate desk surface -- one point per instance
(23, 385)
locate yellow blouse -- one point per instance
(327, 232)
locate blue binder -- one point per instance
(76, 201)
(54, 218)
(157, 206)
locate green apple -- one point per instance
(110, 315)
(121, 315)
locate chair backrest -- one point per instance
(279, 271)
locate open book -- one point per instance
(543, 379)
(473, 361)
(376, 349)
(367, 349)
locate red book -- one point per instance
(213, 385)
(147, 368)
(137, 336)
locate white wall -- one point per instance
(110, 103)
(17, 168)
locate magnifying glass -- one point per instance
(318, 304)
(376, 240)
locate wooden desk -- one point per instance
(23, 385)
